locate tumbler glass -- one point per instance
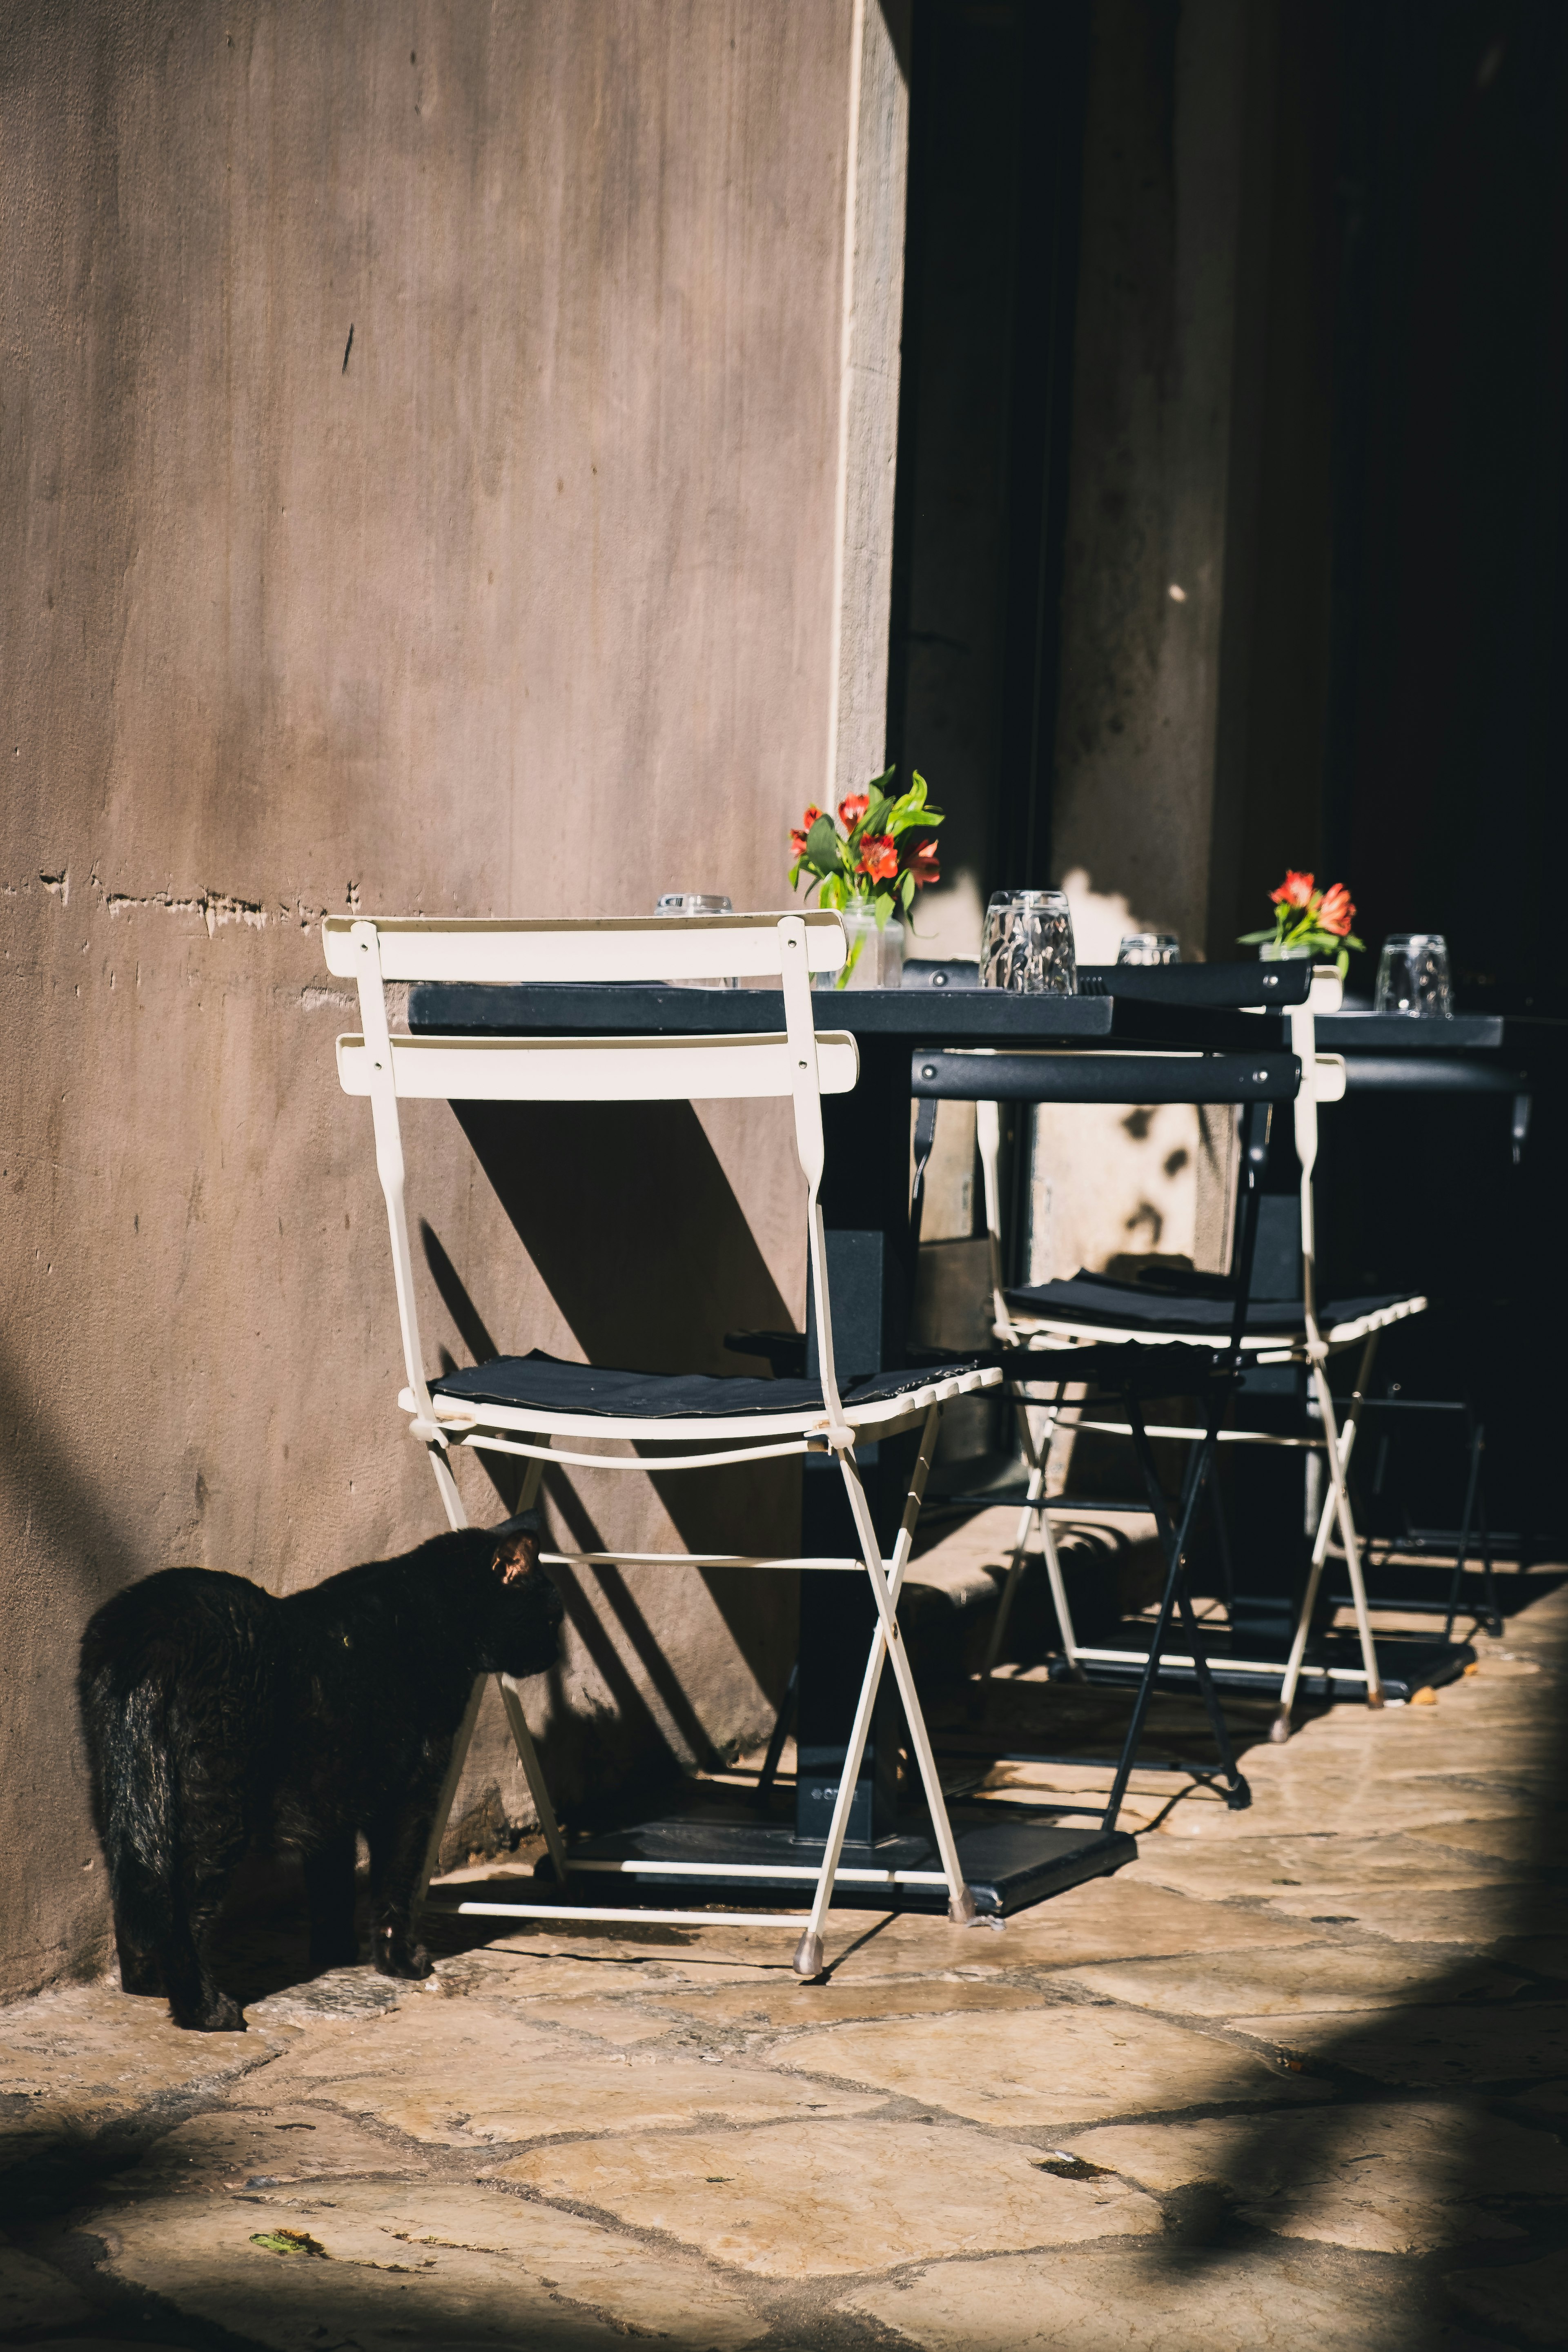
(1028, 944)
(695, 902)
(1413, 975)
(1149, 947)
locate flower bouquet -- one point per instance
(870, 862)
(1308, 922)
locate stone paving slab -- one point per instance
(1280, 1869)
(32, 2294)
(263, 2147)
(1431, 2048)
(820, 2200)
(1105, 1919)
(1164, 2299)
(1325, 1977)
(1473, 1915)
(1387, 2180)
(74, 2059)
(462, 2073)
(435, 2264)
(1529, 2299)
(1051, 2067)
(1510, 1837)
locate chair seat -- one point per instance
(542, 1391)
(1096, 1303)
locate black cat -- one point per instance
(216, 1716)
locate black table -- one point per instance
(1009, 1860)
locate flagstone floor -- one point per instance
(1298, 2075)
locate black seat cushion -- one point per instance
(1089, 1298)
(556, 1387)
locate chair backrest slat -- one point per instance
(649, 949)
(596, 1069)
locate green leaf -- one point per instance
(824, 848)
(1254, 939)
(907, 891)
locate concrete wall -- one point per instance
(419, 438)
(1195, 607)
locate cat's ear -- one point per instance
(517, 1554)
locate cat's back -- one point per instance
(179, 1622)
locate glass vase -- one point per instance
(876, 958)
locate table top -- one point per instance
(900, 1016)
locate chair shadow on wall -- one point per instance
(633, 1229)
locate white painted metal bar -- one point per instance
(515, 949)
(1222, 1665)
(565, 1913)
(807, 1870)
(1186, 1430)
(689, 1560)
(482, 1442)
(735, 1068)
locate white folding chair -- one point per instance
(523, 1405)
(1053, 1319)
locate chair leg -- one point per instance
(1457, 1584)
(1173, 1544)
(1280, 1729)
(1175, 1598)
(1037, 1457)
(1494, 1614)
(886, 1589)
(452, 1502)
(782, 1722)
(533, 1773)
(1337, 1458)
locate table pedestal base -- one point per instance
(1244, 1666)
(1008, 1862)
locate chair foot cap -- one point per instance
(808, 1956)
(1279, 1730)
(963, 1909)
(1374, 1697)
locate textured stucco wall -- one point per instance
(520, 601)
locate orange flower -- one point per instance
(923, 864)
(1296, 890)
(853, 809)
(878, 857)
(798, 839)
(1337, 914)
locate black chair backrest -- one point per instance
(941, 1077)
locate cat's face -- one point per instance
(524, 1629)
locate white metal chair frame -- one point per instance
(799, 1063)
(1322, 1081)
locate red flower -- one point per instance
(798, 839)
(1294, 891)
(923, 864)
(878, 857)
(853, 809)
(1337, 914)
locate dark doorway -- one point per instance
(995, 142)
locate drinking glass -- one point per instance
(1149, 947)
(1413, 975)
(695, 902)
(1028, 944)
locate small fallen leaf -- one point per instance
(1426, 1698)
(288, 2241)
(1075, 2168)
